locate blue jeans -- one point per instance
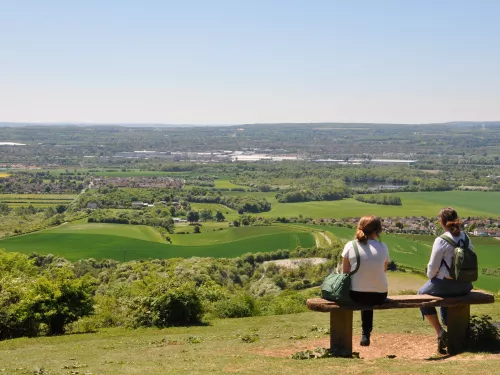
(443, 288)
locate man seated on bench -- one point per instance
(369, 283)
(441, 283)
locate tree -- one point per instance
(4, 209)
(197, 229)
(219, 216)
(61, 301)
(206, 215)
(236, 223)
(193, 216)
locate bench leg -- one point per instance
(341, 332)
(458, 324)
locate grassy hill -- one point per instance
(219, 348)
(115, 241)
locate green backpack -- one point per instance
(464, 261)
(337, 286)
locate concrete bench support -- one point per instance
(458, 316)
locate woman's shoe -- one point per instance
(442, 342)
(365, 340)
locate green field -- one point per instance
(115, 241)
(228, 235)
(139, 232)
(428, 204)
(415, 250)
(36, 200)
(226, 184)
(138, 173)
(228, 213)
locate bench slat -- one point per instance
(407, 301)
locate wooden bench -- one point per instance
(458, 316)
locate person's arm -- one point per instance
(437, 255)
(346, 265)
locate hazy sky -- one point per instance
(235, 61)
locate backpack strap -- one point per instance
(356, 251)
(449, 240)
(466, 241)
(452, 243)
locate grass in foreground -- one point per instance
(222, 350)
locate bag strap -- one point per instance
(452, 243)
(356, 251)
(449, 240)
(466, 241)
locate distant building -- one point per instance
(137, 204)
(92, 205)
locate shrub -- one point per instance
(238, 306)
(288, 302)
(175, 306)
(62, 300)
(483, 334)
(16, 319)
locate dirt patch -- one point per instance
(295, 263)
(403, 346)
(432, 171)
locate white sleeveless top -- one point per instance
(371, 276)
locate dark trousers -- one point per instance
(367, 299)
(443, 288)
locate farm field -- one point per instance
(413, 252)
(139, 173)
(140, 232)
(400, 333)
(226, 184)
(228, 235)
(428, 204)
(228, 213)
(128, 242)
(36, 200)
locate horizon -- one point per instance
(144, 124)
(224, 63)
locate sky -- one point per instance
(249, 61)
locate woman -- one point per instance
(440, 283)
(369, 283)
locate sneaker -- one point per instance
(442, 342)
(365, 340)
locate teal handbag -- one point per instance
(337, 286)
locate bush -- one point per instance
(16, 319)
(55, 301)
(61, 301)
(238, 306)
(483, 334)
(175, 306)
(288, 302)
